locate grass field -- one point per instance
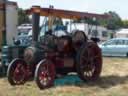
(113, 82)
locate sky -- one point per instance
(91, 6)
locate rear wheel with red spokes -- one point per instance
(45, 74)
(16, 72)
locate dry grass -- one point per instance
(113, 82)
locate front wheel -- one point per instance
(45, 74)
(16, 72)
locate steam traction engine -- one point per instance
(51, 54)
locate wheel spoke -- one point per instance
(46, 74)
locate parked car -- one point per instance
(115, 47)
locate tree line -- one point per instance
(114, 22)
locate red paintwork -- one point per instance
(19, 73)
(47, 73)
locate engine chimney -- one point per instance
(35, 23)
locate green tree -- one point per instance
(125, 23)
(114, 22)
(22, 17)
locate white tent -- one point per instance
(122, 33)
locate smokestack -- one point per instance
(35, 23)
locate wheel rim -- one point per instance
(87, 63)
(47, 74)
(19, 73)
